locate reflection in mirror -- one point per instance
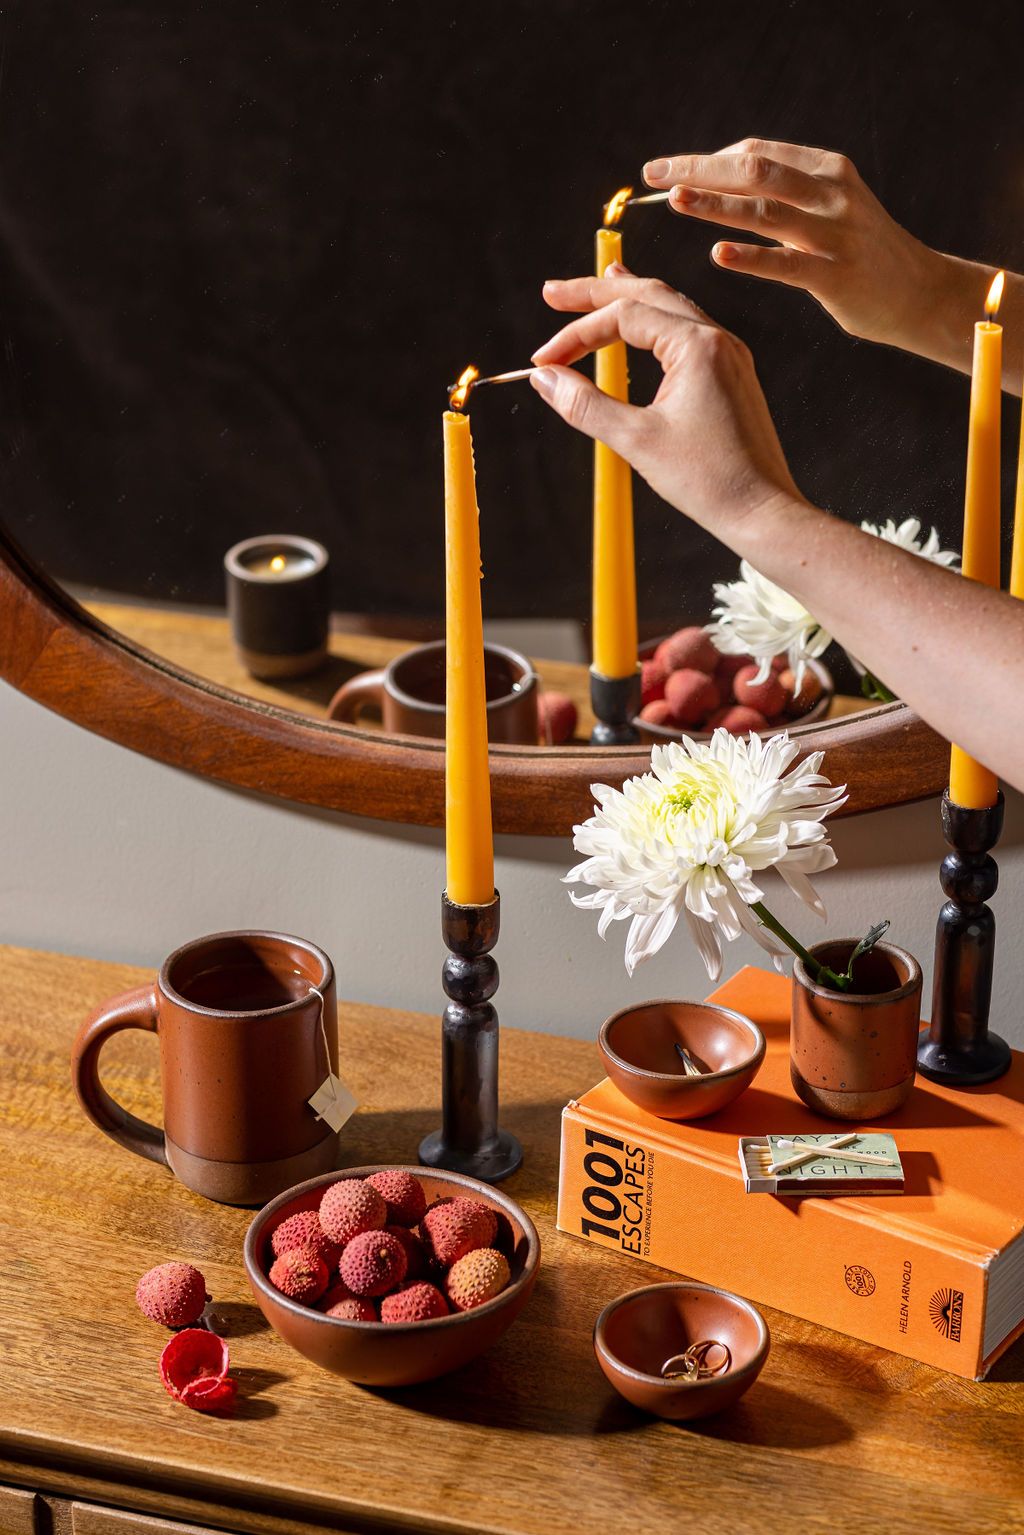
(245, 252)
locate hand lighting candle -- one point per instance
(470, 878)
(970, 784)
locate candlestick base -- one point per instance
(958, 1049)
(616, 703)
(469, 1140)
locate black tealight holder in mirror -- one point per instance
(278, 597)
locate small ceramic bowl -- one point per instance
(637, 1046)
(389, 1353)
(636, 1334)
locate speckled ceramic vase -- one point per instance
(853, 1054)
(237, 1017)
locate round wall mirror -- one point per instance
(244, 254)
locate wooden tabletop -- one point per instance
(834, 1436)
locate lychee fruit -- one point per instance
(373, 1263)
(659, 712)
(557, 717)
(414, 1303)
(456, 1227)
(173, 1294)
(301, 1274)
(402, 1193)
(768, 697)
(351, 1207)
(351, 1308)
(476, 1278)
(727, 668)
(691, 695)
(652, 681)
(690, 647)
(415, 1257)
(807, 697)
(305, 1230)
(737, 719)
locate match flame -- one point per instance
(458, 393)
(278, 562)
(615, 207)
(995, 294)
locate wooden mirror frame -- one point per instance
(55, 652)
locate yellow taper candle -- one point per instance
(970, 784)
(469, 842)
(1017, 563)
(614, 572)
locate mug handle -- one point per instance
(354, 695)
(133, 1010)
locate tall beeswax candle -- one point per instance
(614, 572)
(469, 841)
(971, 784)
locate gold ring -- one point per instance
(698, 1362)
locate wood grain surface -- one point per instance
(835, 1435)
(52, 650)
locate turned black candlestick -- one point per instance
(616, 704)
(958, 1049)
(469, 1140)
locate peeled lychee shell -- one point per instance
(402, 1194)
(691, 647)
(556, 718)
(810, 690)
(305, 1230)
(415, 1257)
(454, 1228)
(373, 1263)
(658, 713)
(194, 1370)
(173, 1294)
(476, 1278)
(414, 1303)
(301, 1274)
(351, 1308)
(350, 1207)
(738, 720)
(653, 677)
(767, 697)
(691, 695)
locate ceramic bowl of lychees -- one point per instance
(391, 1275)
(688, 688)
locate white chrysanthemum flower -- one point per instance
(690, 836)
(908, 536)
(757, 618)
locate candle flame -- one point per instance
(995, 294)
(459, 391)
(278, 562)
(615, 207)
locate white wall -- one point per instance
(107, 854)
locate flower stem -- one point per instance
(875, 690)
(819, 972)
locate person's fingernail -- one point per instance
(684, 197)
(724, 251)
(553, 282)
(544, 380)
(616, 269)
(657, 170)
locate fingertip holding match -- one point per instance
(544, 381)
(723, 251)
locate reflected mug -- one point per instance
(242, 1049)
(409, 693)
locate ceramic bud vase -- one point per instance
(853, 1053)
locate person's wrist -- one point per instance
(949, 295)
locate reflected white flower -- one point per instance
(757, 618)
(908, 536)
(689, 837)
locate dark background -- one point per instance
(244, 247)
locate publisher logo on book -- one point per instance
(946, 1309)
(860, 1280)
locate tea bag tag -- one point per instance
(332, 1102)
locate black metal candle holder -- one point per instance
(958, 1049)
(469, 1140)
(616, 704)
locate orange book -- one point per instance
(936, 1272)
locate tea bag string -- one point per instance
(315, 991)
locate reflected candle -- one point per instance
(278, 598)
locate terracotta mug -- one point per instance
(241, 1051)
(853, 1054)
(409, 693)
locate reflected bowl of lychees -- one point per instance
(391, 1275)
(689, 688)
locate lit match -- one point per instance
(470, 379)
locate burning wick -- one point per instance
(278, 562)
(470, 378)
(616, 206)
